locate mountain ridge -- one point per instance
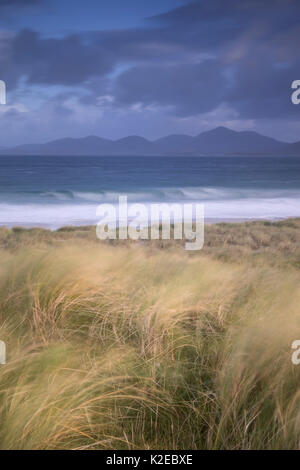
(218, 141)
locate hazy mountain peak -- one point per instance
(220, 130)
(132, 138)
(218, 141)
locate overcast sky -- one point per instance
(149, 67)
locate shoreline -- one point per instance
(207, 221)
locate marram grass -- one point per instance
(146, 346)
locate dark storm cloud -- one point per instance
(255, 46)
(262, 88)
(231, 15)
(186, 88)
(65, 61)
(77, 58)
(191, 60)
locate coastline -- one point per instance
(207, 221)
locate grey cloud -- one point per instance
(188, 60)
(64, 61)
(189, 89)
(263, 88)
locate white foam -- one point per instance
(219, 203)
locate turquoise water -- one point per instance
(56, 191)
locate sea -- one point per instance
(52, 192)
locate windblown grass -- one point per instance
(144, 346)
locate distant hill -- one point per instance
(132, 145)
(292, 149)
(174, 144)
(222, 140)
(219, 141)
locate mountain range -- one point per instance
(218, 141)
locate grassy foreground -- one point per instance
(146, 346)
